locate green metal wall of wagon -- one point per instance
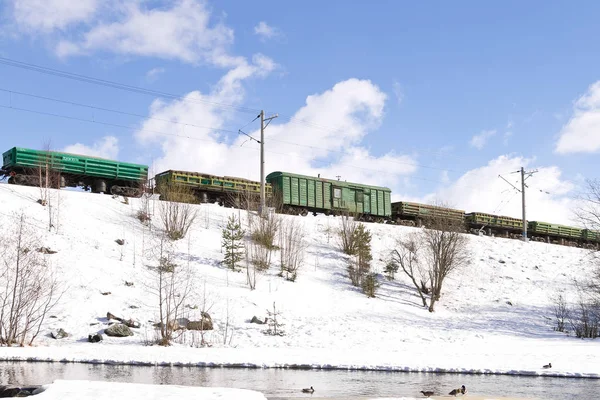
(225, 190)
(554, 230)
(480, 220)
(415, 213)
(301, 194)
(100, 174)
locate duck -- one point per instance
(427, 393)
(311, 390)
(461, 390)
(547, 366)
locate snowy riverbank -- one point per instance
(495, 315)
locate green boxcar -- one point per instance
(101, 174)
(548, 229)
(478, 220)
(301, 193)
(211, 188)
(405, 210)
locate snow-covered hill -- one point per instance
(327, 321)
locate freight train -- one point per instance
(288, 193)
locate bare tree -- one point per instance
(143, 212)
(445, 252)
(346, 235)
(561, 312)
(588, 211)
(176, 212)
(293, 248)
(28, 288)
(250, 266)
(170, 284)
(407, 255)
(588, 214)
(263, 230)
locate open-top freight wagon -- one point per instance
(57, 169)
(301, 194)
(415, 214)
(228, 191)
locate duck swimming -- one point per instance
(462, 390)
(311, 390)
(547, 366)
(427, 393)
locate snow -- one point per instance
(328, 323)
(62, 389)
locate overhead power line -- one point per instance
(116, 85)
(223, 142)
(77, 104)
(150, 92)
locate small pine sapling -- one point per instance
(232, 236)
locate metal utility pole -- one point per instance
(522, 190)
(262, 158)
(523, 204)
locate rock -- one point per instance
(203, 325)
(129, 322)
(128, 283)
(120, 242)
(9, 391)
(112, 316)
(255, 320)
(59, 334)
(105, 293)
(502, 261)
(46, 250)
(118, 330)
(95, 338)
(509, 303)
(180, 323)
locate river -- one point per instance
(286, 384)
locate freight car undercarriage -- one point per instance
(58, 181)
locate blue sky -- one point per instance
(431, 99)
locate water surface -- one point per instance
(287, 384)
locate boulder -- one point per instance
(59, 334)
(9, 391)
(129, 322)
(179, 323)
(205, 324)
(46, 250)
(255, 320)
(118, 330)
(95, 338)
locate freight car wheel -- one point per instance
(304, 212)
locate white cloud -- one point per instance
(265, 31)
(507, 136)
(482, 190)
(107, 147)
(153, 74)
(45, 16)
(582, 133)
(181, 32)
(329, 128)
(479, 141)
(397, 88)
